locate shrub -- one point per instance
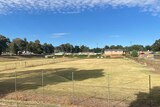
(134, 53)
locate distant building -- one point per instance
(110, 52)
(27, 53)
(157, 56)
(67, 53)
(59, 54)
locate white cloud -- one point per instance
(58, 35)
(74, 6)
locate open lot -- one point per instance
(80, 82)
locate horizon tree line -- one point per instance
(22, 45)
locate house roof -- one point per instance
(114, 50)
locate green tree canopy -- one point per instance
(84, 48)
(13, 48)
(134, 53)
(148, 47)
(21, 44)
(48, 48)
(97, 50)
(106, 47)
(76, 49)
(137, 48)
(3, 43)
(35, 47)
(116, 47)
(67, 48)
(156, 45)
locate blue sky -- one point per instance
(102, 23)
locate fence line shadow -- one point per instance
(32, 79)
(143, 99)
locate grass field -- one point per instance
(82, 82)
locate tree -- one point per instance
(30, 46)
(148, 47)
(134, 53)
(120, 47)
(13, 48)
(97, 50)
(63, 48)
(106, 47)
(3, 43)
(137, 48)
(21, 44)
(35, 47)
(25, 44)
(84, 49)
(67, 48)
(76, 49)
(112, 47)
(116, 47)
(48, 48)
(58, 49)
(127, 48)
(38, 48)
(156, 45)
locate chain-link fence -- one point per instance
(31, 63)
(64, 88)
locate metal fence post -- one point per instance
(72, 88)
(25, 64)
(108, 91)
(43, 87)
(15, 87)
(15, 65)
(150, 94)
(5, 67)
(15, 84)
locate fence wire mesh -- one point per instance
(64, 88)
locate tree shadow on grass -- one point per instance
(143, 99)
(32, 79)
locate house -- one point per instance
(113, 52)
(59, 54)
(157, 56)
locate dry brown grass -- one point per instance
(126, 78)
